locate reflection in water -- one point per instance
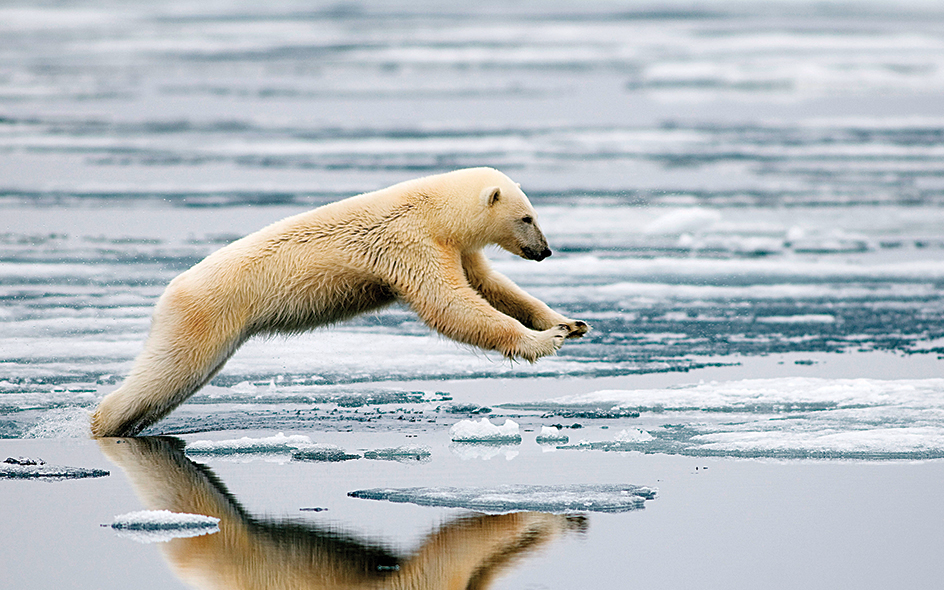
(248, 552)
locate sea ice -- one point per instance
(633, 435)
(272, 445)
(787, 418)
(519, 498)
(406, 454)
(483, 431)
(47, 472)
(325, 453)
(551, 435)
(157, 526)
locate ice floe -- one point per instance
(27, 468)
(633, 435)
(404, 454)
(299, 447)
(552, 435)
(271, 445)
(519, 498)
(157, 526)
(789, 418)
(483, 431)
(323, 453)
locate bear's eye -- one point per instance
(527, 219)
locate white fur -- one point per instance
(418, 241)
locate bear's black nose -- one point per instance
(542, 254)
(535, 254)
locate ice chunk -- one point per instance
(551, 435)
(484, 431)
(634, 435)
(326, 453)
(405, 454)
(23, 461)
(518, 498)
(278, 444)
(25, 468)
(157, 526)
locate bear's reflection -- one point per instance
(250, 552)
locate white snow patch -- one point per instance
(279, 444)
(633, 435)
(484, 431)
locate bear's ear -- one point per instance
(490, 196)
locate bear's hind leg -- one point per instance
(189, 342)
(154, 388)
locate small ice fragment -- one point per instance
(551, 435)
(279, 443)
(23, 461)
(325, 453)
(633, 435)
(243, 387)
(402, 454)
(44, 472)
(157, 526)
(484, 431)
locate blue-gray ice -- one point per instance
(519, 498)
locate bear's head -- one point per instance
(477, 207)
(495, 211)
(513, 222)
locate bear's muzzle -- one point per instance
(535, 254)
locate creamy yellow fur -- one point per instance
(251, 552)
(419, 241)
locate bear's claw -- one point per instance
(576, 329)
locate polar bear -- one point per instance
(419, 241)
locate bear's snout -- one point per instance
(538, 255)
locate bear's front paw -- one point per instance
(543, 343)
(576, 328)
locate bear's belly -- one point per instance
(316, 303)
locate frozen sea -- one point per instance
(745, 201)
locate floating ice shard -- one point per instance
(158, 526)
(23, 468)
(405, 454)
(483, 431)
(552, 435)
(521, 498)
(278, 444)
(633, 435)
(325, 453)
